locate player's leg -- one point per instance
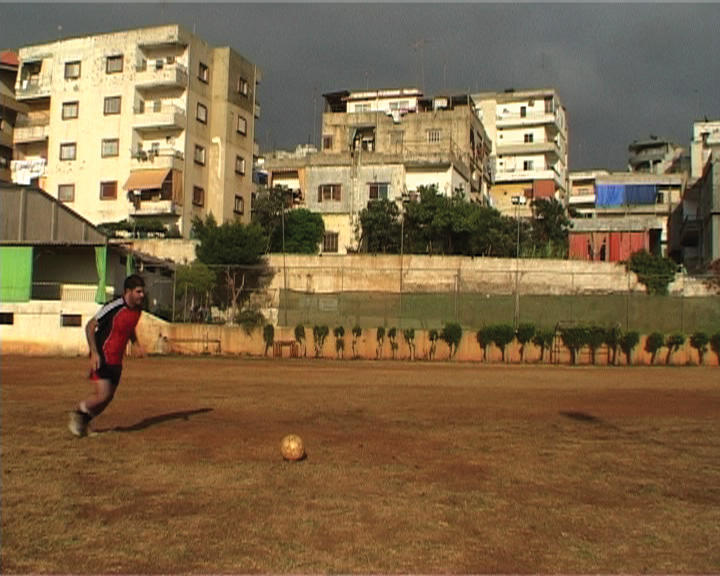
(105, 382)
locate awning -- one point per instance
(146, 179)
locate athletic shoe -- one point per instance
(78, 423)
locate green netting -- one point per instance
(101, 265)
(16, 273)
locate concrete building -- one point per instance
(529, 135)
(146, 123)
(656, 156)
(10, 108)
(636, 208)
(706, 136)
(384, 145)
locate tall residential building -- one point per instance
(10, 108)
(147, 123)
(529, 133)
(656, 156)
(384, 145)
(706, 136)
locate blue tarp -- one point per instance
(625, 194)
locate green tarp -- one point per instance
(16, 263)
(101, 265)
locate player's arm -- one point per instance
(90, 335)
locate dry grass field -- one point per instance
(411, 468)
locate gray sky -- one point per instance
(623, 71)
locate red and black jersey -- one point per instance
(116, 323)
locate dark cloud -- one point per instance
(623, 71)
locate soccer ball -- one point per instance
(292, 447)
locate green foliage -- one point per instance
(380, 339)
(543, 339)
(550, 225)
(575, 338)
(699, 341)
(302, 230)
(392, 336)
(655, 272)
(300, 337)
(409, 337)
(653, 343)
(197, 278)
(268, 336)
(484, 339)
(674, 341)
(451, 334)
(525, 333)
(380, 225)
(596, 336)
(501, 335)
(320, 333)
(231, 244)
(356, 333)
(612, 341)
(141, 228)
(628, 341)
(339, 333)
(250, 320)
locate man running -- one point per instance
(107, 334)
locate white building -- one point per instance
(147, 123)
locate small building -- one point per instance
(10, 108)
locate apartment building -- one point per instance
(706, 137)
(529, 135)
(618, 213)
(10, 108)
(656, 156)
(384, 144)
(152, 123)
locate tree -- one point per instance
(484, 339)
(304, 232)
(339, 333)
(433, 336)
(380, 225)
(628, 341)
(550, 225)
(653, 343)
(268, 336)
(699, 341)
(543, 339)
(595, 339)
(300, 337)
(392, 336)
(655, 272)
(525, 333)
(674, 341)
(502, 335)
(356, 333)
(194, 282)
(451, 334)
(612, 341)
(320, 333)
(380, 339)
(409, 336)
(575, 338)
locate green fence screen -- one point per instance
(16, 273)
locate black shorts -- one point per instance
(109, 372)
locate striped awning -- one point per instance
(146, 179)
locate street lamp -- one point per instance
(517, 202)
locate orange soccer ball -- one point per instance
(292, 447)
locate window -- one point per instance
(70, 110)
(108, 190)
(660, 198)
(330, 242)
(528, 138)
(7, 318)
(241, 125)
(199, 156)
(327, 192)
(203, 73)
(112, 105)
(198, 196)
(239, 205)
(379, 191)
(362, 107)
(114, 64)
(527, 164)
(242, 86)
(433, 135)
(327, 142)
(549, 105)
(523, 111)
(110, 147)
(71, 320)
(66, 192)
(68, 151)
(201, 114)
(239, 165)
(72, 70)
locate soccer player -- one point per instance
(107, 334)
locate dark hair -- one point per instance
(133, 281)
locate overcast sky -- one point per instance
(623, 71)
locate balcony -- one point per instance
(513, 120)
(154, 208)
(155, 76)
(158, 158)
(34, 86)
(165, 117)
(31, 129)
(529, 148)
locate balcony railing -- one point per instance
(153, 76)
(157, 158)
(154, 208)
(33, 87)
(157, 117)
(517, 119)
(31, 129)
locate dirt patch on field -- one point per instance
(411, 467)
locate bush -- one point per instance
(655, 272)
(627, 342)
(409, 336)
(356, 333)
(575, 339)
(484, 339)
(339, 333)
(612, 341)
(654, 342)
(433, 336)
(250, 320)
(300, 337)
(452, 334)
(595, 338)
(380, 338)
(699, 341)
(319, 335)
(543, 339)
(392, 336)
(501, 335)
(674, 341)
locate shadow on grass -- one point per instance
(581, 417)
(160, 419)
